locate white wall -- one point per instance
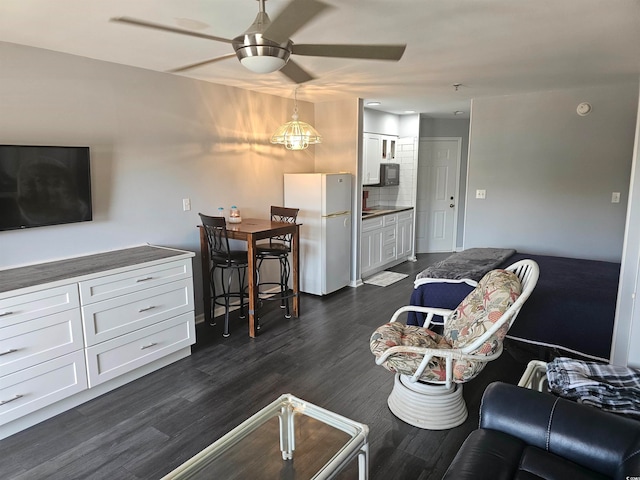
(155, 139)
(375, 121)
(338, 123)
(626, 333)
(549, 173)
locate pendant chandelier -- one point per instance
(296, 135)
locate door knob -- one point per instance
(452, 205)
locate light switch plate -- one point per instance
(482, 194)
(615, 197)
(186, 204)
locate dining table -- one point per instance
(251, 230)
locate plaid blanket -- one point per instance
(609, 387)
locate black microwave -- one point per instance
(389, 174)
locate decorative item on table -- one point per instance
(221, 212)
(234, 215)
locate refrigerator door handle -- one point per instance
(338, 214)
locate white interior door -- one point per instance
(437, 196)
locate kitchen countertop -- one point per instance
(377, 211)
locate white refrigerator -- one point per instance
(324, 200)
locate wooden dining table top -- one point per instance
(259, 228)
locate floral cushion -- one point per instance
(481, 309)
(495, 293)
(394, 334)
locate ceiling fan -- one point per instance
(266, 46)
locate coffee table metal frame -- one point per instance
(285, 408)
(535, 376)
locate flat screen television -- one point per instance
(42, 185)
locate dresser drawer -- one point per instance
(29, 343)
(118, 316)
(22, 308)
(111, 286)
(34, 388)
(115, 357)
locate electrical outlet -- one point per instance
(186, 204)
(481, 194)
(615, 197)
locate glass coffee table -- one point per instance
(314, 443)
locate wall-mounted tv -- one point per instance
(42, 185)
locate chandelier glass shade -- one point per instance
(296, 135)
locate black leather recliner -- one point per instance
(528, 435)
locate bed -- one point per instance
(571, 309)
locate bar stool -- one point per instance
(223, 259)
(278, 248)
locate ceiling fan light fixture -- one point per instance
(259, 54)
(263, 64)
(263, 58)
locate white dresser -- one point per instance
(74, 329)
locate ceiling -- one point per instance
(489, 47)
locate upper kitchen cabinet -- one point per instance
(377, 149)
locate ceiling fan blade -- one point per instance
(373, 52)
(294, 16)
(199, 64)
(295, 72)
(165, 28)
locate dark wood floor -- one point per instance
(147, 428)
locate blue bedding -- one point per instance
(572, 307)
(437, 294)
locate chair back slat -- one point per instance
(217, 239)
(287, 215)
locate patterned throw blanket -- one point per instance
(609, 387)
(470, 264)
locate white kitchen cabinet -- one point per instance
(389, 238)
(405, 234)
(386, 240)
(372, 156)
(377, 149)
(371, 244)
(74, 329)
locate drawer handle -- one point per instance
(145, 279)
(4, 314)
(16, 397)
(11, 350)
(152, 344)
(146, 309)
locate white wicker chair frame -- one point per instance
(439, 405)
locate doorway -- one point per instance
(437, 196)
